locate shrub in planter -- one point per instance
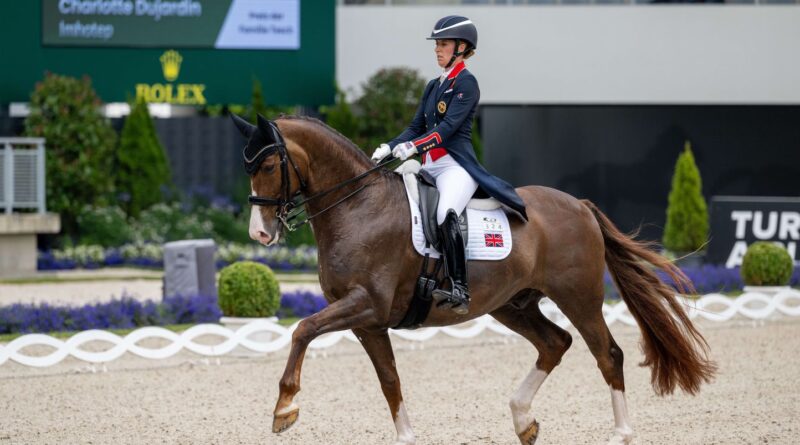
(687, 214)
(766, 264)
(248, 289)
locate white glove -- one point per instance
(381, 152)
(404, 150)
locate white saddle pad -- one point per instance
(489, 231)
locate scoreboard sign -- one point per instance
(225, 24)
(736, 222)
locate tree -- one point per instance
(142, 169)
(80, 143)
(340, 116)
(257, 105)
(687, 215)
(477, 142)
(390, 99)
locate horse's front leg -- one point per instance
(353, 311)
(379, 349)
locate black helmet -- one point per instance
(455, 27)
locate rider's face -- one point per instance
(444, 51)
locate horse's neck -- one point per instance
(328, 168)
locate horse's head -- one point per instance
(267, 161)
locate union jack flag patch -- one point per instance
(493, 239)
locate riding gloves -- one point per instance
(404, 150)
(381, 152)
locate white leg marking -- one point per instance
(623, 433)
(522, 399)
(286, 410)
(405, 435)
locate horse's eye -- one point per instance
(268, 168)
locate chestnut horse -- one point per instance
(368, 269)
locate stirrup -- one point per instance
(458, 300)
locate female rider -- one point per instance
(441, 132)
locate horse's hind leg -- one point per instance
(587, 317)
(551, 341)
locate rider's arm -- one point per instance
(417, 126)
(465, 97)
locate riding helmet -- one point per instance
(455, 27)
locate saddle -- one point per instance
(490, 238)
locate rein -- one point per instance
(286, 203)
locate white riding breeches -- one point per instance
(455, 185)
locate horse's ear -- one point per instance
(269, 130)
(264, 125)
(246, 128)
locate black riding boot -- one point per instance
(455, 262)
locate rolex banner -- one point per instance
(226, 24)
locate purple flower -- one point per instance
(301, 304)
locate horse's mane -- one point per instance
(338, 140)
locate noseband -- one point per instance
(286, 203)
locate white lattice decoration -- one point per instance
(751, 305)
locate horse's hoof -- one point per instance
(621, 437)
(528, 437)
(282, 422)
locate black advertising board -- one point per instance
(738, 221)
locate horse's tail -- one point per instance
(673, 348)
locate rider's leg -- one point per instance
(456, 187)
(457, 297)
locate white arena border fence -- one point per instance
(713, 307)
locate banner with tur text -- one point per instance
(738, 221)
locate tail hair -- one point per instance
(674, 349)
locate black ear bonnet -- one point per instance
(265, 141)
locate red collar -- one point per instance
(456, 70)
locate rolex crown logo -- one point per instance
(171, 64)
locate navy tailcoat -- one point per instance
(444, 120)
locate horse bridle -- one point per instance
(286, 201)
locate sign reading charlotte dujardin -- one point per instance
(231, 24)
(181, 93)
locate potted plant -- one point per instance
(686, 230)
(766, 268)
(248, 291)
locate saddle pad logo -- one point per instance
(442, 107)
(493, 239)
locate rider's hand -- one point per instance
(404, 150)
(380, 153)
